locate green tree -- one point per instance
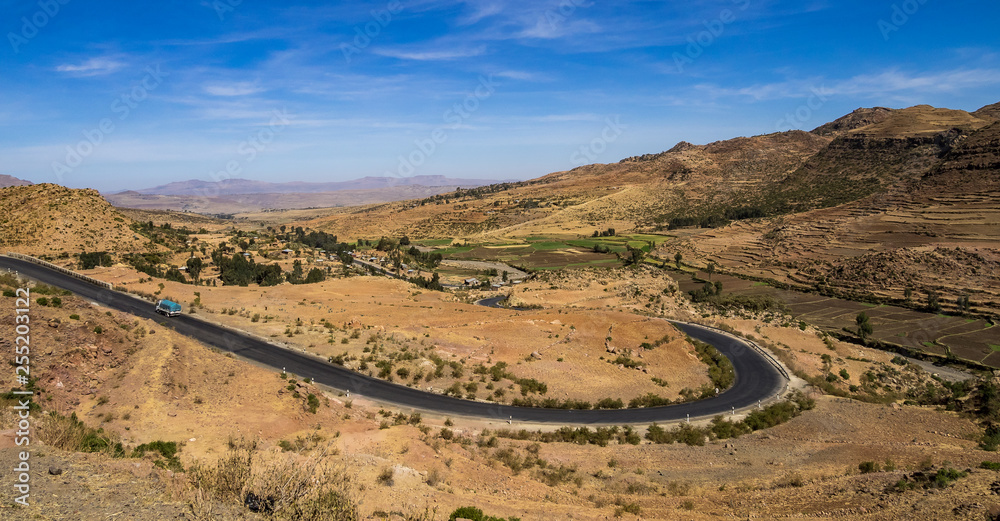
(710, 269)
(92, 260)
(677, 259)
(315, 275)
(864, 325)
(194, 266)
(933, 302)
(175, 275)
(633, 257)
(295, 277)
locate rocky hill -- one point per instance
(861, 117)
(48, 219)
(900, 147)
(989, 111)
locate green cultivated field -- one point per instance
(554, 252)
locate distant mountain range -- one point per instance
(195, 187)
(9, 180)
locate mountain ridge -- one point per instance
(9, 180)
(238, 186)
(869, 151)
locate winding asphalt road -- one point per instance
(756, 378)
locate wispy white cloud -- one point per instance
(520, 75)
(242, 88)
(546, 28)
(883, 84)
(955, 80)
(432, 55)
(481, 11)
(91, 67)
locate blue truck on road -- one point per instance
(168, 308)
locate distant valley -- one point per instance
(243, 195)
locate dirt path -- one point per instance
(946, 373)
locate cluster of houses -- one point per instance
(381, 261)
(476, 283)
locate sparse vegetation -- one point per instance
(284, 487)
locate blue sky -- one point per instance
(127, 95)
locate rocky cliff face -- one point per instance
(971, 164)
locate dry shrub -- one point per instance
(70, 434)
(434, 477)
(282, 486)
(385, 477)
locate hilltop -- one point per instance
(989, 111)
(861, 117)
(48, 219)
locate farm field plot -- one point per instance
(936, 334)
(540, 252)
